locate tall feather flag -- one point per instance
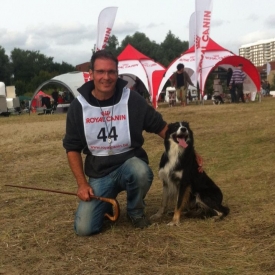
(106, 21)
(192, 29)
(203, 11)
(268, 68)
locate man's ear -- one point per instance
(91, 74)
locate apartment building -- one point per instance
(259, 53)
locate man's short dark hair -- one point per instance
(180, 66)
(102, 54)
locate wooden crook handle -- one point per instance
(114, 202)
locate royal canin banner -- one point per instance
(192, 29)
(106, 21)
(203, 21)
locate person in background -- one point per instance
(267, 88)
(232, 89)
(263, 91)
(139, 87)
(181, 80)
(106, 123)
(237, 79)
(55, 97)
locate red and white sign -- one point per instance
(106, 21)
(203, 21)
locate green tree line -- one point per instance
(28, 69)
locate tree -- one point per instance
(31, 67)
(141, 42)
(173, 47)
(112, 45)
(5, 68)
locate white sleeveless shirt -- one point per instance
(107, 128)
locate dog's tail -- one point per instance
(200, 212)
(225, 210)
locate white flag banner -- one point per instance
(192, 29)
(106, 21)
(203, 13)
(268, 68)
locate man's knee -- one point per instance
(82, 228)
(139, 168)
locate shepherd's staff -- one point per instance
(114, 202)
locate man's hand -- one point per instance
(85, 192)
(200, 162)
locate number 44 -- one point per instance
(102, 134)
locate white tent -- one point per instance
(70, 81)
(213, 55)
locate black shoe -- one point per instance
(141, 222)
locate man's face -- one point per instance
(104, 75)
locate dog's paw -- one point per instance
(172, 223)
(155, 217)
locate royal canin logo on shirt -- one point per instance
(105, 113)
(105, 118)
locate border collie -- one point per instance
(183, 181)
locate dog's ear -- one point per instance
(170, 125)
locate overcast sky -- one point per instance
(66, 30)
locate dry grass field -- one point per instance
(237, 143)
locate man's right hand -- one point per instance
(85, 192)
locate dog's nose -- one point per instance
(183, 129)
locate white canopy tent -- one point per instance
(213, 55)
(132, 62)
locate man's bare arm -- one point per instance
(76, 164)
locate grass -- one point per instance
(238, 147)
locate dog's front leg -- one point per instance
(183, 199)
(164, 203)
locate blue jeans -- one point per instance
(134, 176)
(233, 94)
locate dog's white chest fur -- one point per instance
(173, 156)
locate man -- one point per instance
(105, 124)
(267, 88)
(237, 80)
(180, 80)
(55, 98)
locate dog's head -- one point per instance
(180, 133)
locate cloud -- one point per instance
(125, 28)
(153, 25)
(63, 34)
(253, 17)
(270, 21)
(218, 22)
(255, 36)
(12, 39)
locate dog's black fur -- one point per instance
(195, 192)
